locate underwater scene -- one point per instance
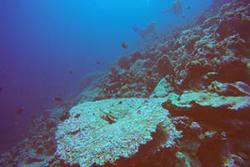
(125, 83)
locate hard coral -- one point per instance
(100, 141)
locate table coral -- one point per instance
(91, 138)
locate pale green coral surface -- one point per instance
(103, 131)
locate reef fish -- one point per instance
(19, 110)
(58, 99)
(124, 45)
(150, 29)
(188, 7)
(70, 72)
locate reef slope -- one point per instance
(182, 102)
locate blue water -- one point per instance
(41, 41)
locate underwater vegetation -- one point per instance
(184, 102)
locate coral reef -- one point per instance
(182, 102)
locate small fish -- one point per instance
(98, 62)
(19, 110)
(188, 7)
(58, 99)
(124, 45)
(70, 72)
